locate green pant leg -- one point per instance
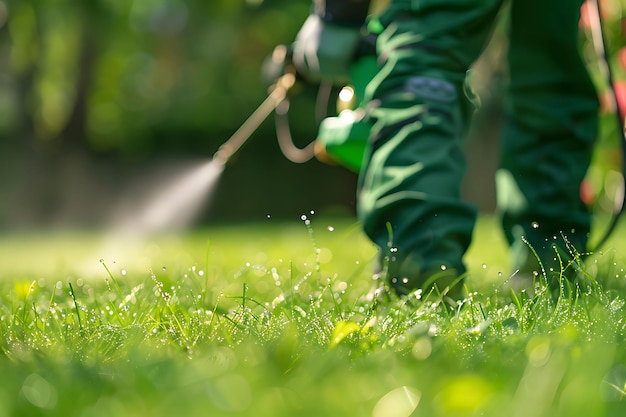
(549, 133)
(413, 176)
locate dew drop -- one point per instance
(303, 217)
(484, 266)
(443, 267)
(123, 272)
(164, 268)
(331, 229)
(535, 225)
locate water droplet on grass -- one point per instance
(535, 225)
(331, 229)
(123, 272)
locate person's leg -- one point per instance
(549, 134)
(409, 190)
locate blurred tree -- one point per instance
(112, 75)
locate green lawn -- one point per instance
(270, 320)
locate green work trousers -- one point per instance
(409, 189)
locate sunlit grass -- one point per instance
(271, 320)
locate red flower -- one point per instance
(607, 104)
(620, 94)
(609, 9)
(587, 192)
(621, 58)
(585, 19)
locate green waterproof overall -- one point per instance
(409, 190)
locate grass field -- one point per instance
(270, 320)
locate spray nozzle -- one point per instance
(277, 64)
(277, 95)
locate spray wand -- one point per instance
(277, 95)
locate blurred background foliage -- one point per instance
(132, 77)
(92, 92)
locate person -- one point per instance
(409, 200)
